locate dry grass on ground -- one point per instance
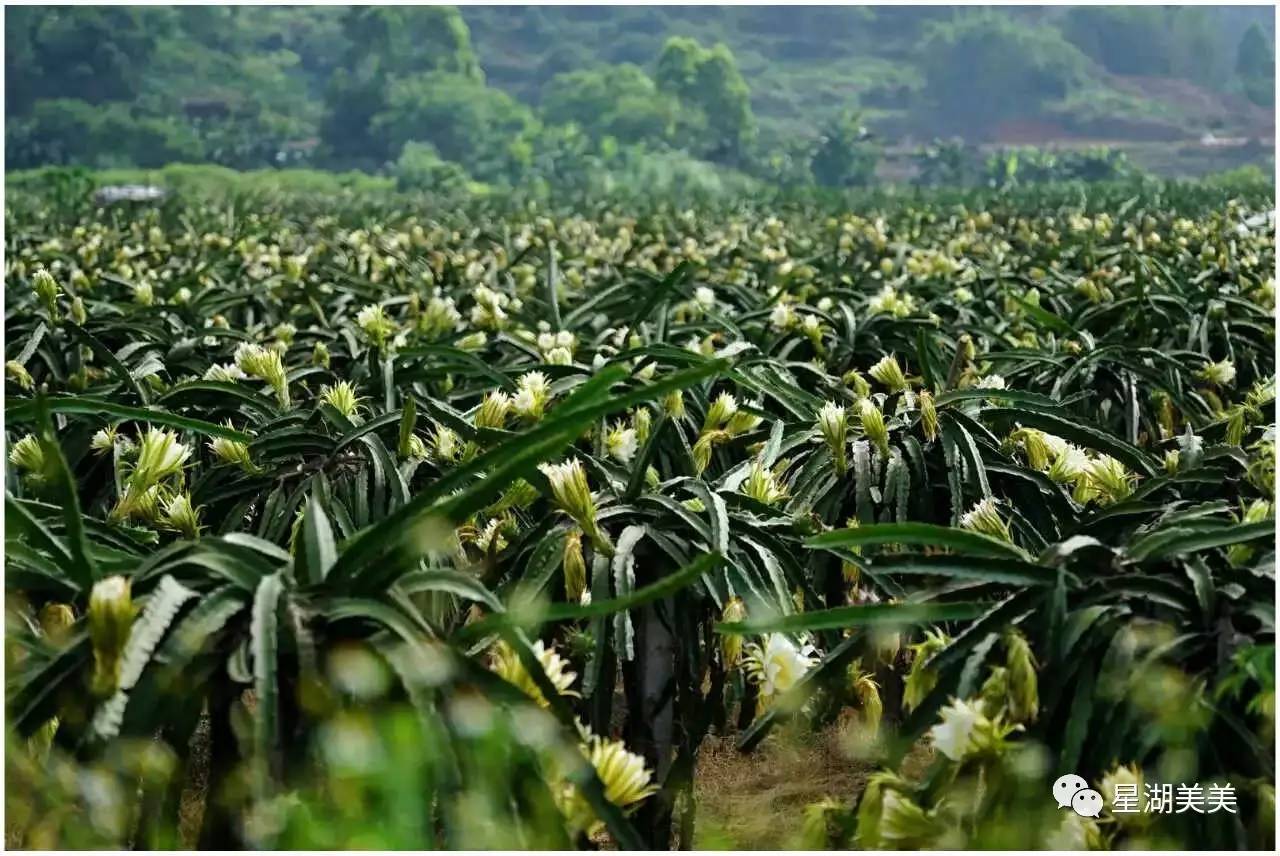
(756, 801)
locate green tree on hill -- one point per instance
(616, 100)
(984, 69)
(385, 43)
(709, 85)
(845, 156)
(1255, 66)
(484, 129)
(92, 54)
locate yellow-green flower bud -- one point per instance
(855, 381)
(731, 643)
(160, 455)
(625, 778)
(985, 518)
(376, 326)
(284, 332)
(1035, 446)
(575, 567)
(1222, 373)
(703, 447)
(1108, 479)
(1024, 697)
(342, 397)
(416, 448)
(1235, 426)
(641, 421)
(570, 491)
(1167, 416)
(834, 427)
(742, 421)
(56, 621)
(994, 693)
(873, 425)
(444, 445)
(78, 313)
(621, 443)
(47, 290)
(720, 412)
(921, 680)
(507, 665)
(266, 365)
(110, 620)
(441, 316)
(889, 373)
(493, 410)
(181, 515)
(17, 372)
(928, 415)
(1131, 778)
(472, 341)
(868, 693)
(533, 391)
(230, 451)
(673, 404)
(762, 484)
(320, 355)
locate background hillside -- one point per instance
(789, 94)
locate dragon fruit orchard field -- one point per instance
(401, 526)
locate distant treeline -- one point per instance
(404, 91)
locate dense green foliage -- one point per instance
(1256, 66)
(1025, 65)
(1147, 40)
(464, 528)
(495, 90)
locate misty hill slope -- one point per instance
(507, 92)
(804, 63)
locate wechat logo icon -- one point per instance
(1068, 787)
(1073, 792)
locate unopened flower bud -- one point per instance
(342, 397)
(928, 415)
(834, 427)
(575, 567)
(572, 494)
(78, 313)
(17, 372)
(493, 410)
(1024, 698)
(720, 411)
(47, 290)
(855, 381)
(110, 620)
(731, 643)
(873, 426)
(889, 373)
(985, 518)
(673, 404)
(56, 620)
(181, 515)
